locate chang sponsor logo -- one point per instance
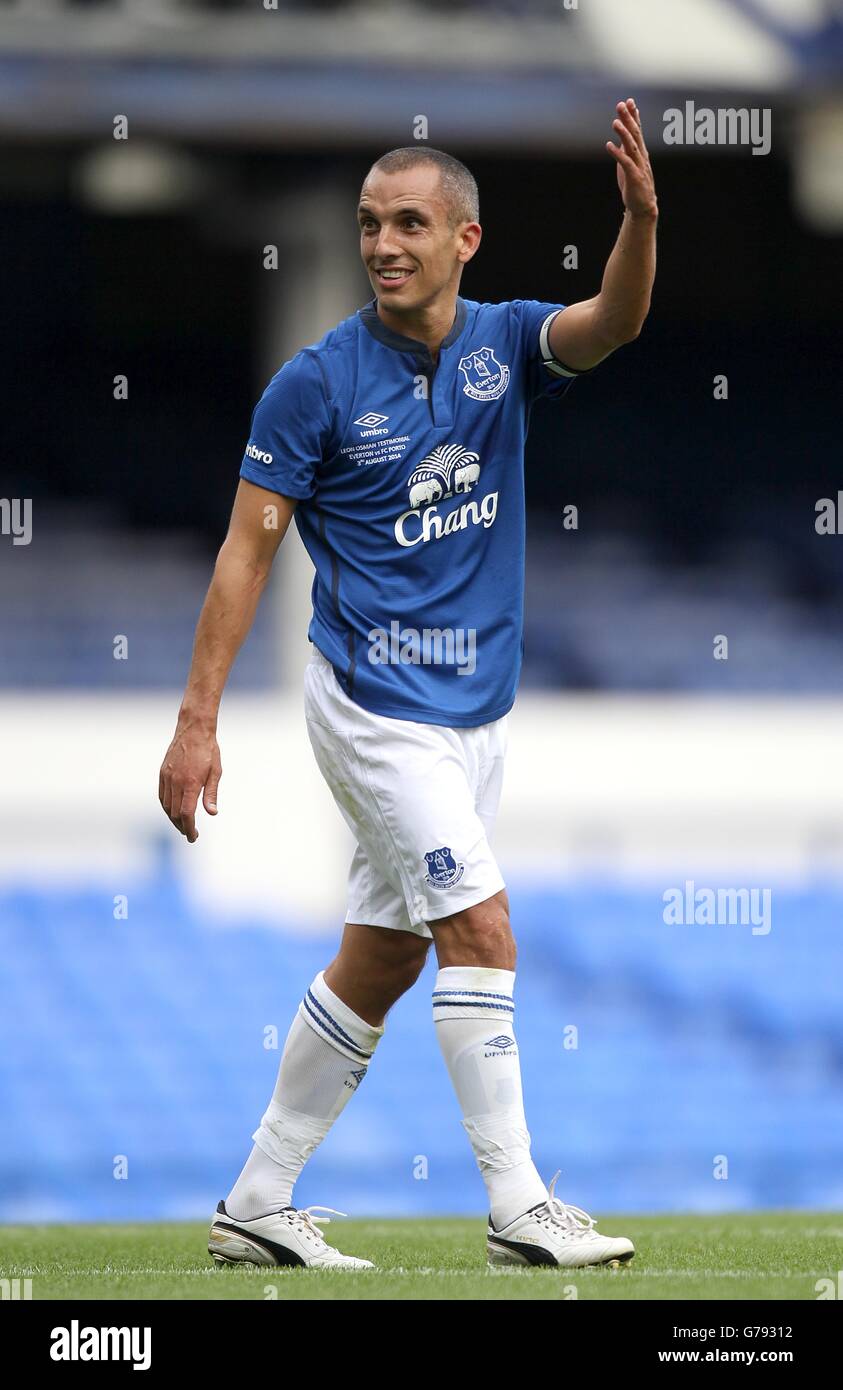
(448, 470)
(418, 527)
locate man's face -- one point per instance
(410, 250)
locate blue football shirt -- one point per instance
(409, 477)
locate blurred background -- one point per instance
(147, 986)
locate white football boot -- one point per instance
(554, 1233)
(286, 1237)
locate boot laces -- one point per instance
(304, 1221)
(574, 1221)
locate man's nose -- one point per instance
(386, 245)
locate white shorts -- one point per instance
(420, 799)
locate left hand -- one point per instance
(635, 177)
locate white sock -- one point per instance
(325, 1057)
(472, 1011)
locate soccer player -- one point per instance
(397, 442)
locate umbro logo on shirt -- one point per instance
(371, 420)
(260, 455)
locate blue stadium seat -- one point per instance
(146, 1038)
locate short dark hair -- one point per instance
(458, 184)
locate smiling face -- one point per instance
(413, 254)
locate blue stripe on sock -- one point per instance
(337, 1036)
(333, 1022)
(480, 993)
(471, 1004)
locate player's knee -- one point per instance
(477, 935)
(397, 961)
(407, 969)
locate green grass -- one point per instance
(762, 1255)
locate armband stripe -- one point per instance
(553, 365)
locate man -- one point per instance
(397, 442)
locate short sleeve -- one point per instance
(547, 376)
(290, 426)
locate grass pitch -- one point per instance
(761, 1255)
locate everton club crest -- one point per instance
(485, 378)
(442, 869)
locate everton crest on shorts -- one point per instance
(443, 871)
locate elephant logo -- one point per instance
(448, 469)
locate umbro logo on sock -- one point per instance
(500, 1041)
(357, 1077)
(503, 1044)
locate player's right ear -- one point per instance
(470, 238)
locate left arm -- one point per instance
(584, 333)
